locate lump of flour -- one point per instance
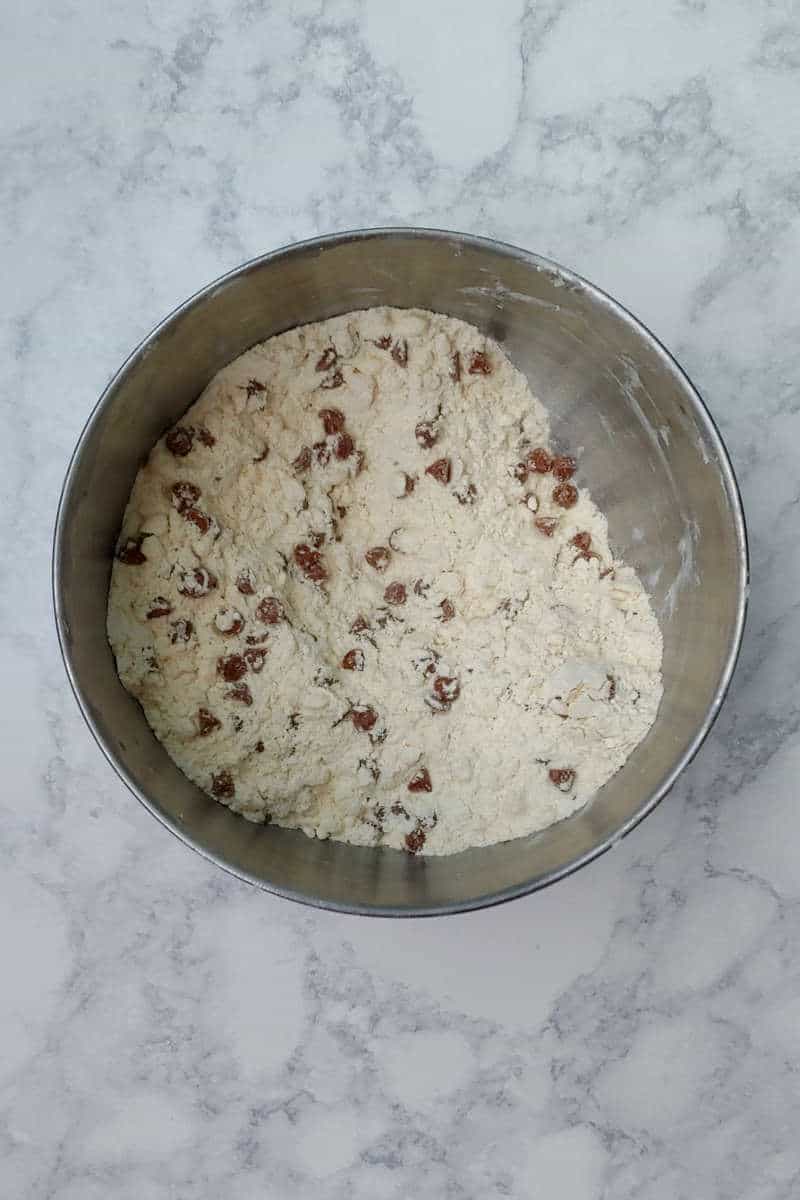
(356, 593)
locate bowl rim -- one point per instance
(700, 413)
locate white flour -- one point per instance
(498, 672)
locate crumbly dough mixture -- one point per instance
(357, 593)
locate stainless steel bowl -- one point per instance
(649, 452)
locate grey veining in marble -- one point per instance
(166, 1031)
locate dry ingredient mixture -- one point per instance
(357, 593)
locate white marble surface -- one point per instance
(168, 1032)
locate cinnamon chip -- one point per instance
(479, 363)
(440, 470)
(222, 785)
(546, 525)
(565, 495)
(363, 718)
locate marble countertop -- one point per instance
(166, 1031)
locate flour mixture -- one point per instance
(359, 594)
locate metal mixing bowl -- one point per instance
(649, 452)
